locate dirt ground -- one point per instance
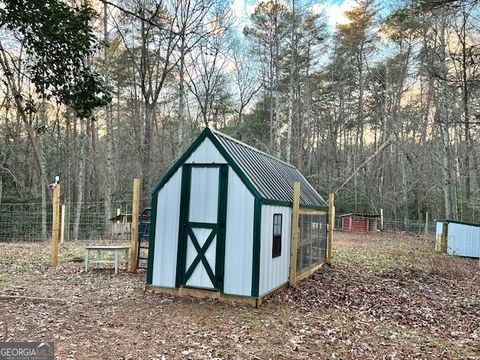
(386, 296)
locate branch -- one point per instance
(370, 158)
(148, 20)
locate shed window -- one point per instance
(277, 235)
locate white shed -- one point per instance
(221, 221)
(458, 238)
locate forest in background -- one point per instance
(381, 108)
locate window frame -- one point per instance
(277, 237)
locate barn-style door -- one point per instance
(201, 249)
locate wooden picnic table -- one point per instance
(116, 250)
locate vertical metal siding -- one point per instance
(274, 272)
(239, 238)
(206, 153)
(166, 232)
(204, 195)
(463, 240)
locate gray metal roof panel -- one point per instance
(273, 178)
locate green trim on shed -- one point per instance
(289, 204)
(246, 181)
(222, 226)
(183, 218)
(257, 226)
(200, 257)
(186, 227)
(179, 162)
(151, 243)
(259, 200)
(459, 222)
(207, 134)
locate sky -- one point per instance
(334, 9)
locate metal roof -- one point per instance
(371, 215)
(272, 177)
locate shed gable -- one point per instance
(269, 179)
(206, 153)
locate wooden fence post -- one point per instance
(55, 222)
(444, 238)
(294, 239)
(62, 225)
(331, 224)
(134, 225)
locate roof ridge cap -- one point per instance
(252, 148)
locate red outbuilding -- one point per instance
(358, 222)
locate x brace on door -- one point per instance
(201, 250)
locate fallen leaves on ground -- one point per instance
(384, 296)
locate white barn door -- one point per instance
(202, 236)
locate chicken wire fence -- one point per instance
(392, 225)
(29, 222)
(312, 241)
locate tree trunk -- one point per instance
(146, 146)
(109, 174)
(80, 187)
(360, 99)
(183, 132)
(476, 164)
(36, 143)
(290, 86)
(444, 122)
(278, 138)
(404, 195)
(271, 117)
(290, 119)
(44, 197)
(465, 100)
(43, 168)
(278, 151)
(95, 161)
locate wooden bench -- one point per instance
(116, 250)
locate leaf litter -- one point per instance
(386, 296)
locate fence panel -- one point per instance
(24, 222)
(391, 225)
(312, 242)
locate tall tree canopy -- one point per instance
(58, 42)
(380, 104)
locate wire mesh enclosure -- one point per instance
(31, 222)
(392, 225)
(25, 221)
(312, 242)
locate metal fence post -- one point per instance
(331, 224)
(55, 222)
